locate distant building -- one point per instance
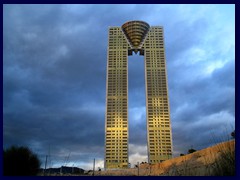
(63, 170)
(136, 36)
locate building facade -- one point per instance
(136, 37)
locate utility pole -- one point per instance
(138, 168)
(45, 165)
(93, 166)
(72, 168)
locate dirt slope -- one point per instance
(199, 163)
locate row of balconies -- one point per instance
(157, 91)
(156, 134)
(154, 52)
(116, 147)
(159, 125)
(116, 126)
(112, 103)
(116, 154)
(117, 107)
(120, 114)
(117, 114)
(155, 70)
(158, 113)
(156, 75)
(156, 104)
(117, 53)
(158, 131)
(155, 58)
(118, 88)
(159, 146)
(164, 142)
(109, 139)
(121, 118)
(110, 108)
(124, 131)
(152, 126)
(154, 107)
(117, 94)
(118, 62)
(156, 122)
(151, 83)
(123, 46)
(117, 123)
(112, 159)
(156, 94)
(155, 82)
(155, 65)
(159, 72)
(117, 134)
(163, 99)
(153, 46)
(160, 138)
(117, 81)
(156, 139)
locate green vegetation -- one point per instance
(20, 161)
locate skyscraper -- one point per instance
(136, 36)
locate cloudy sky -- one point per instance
(54, 78)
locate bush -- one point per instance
(20, 161)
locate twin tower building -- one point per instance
(136, 37)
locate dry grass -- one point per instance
(218, 160)
(224, 164)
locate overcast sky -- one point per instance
(54, 78)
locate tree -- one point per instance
(182, 154)
(233, 134)
(20, 161)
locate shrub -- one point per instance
(191, 151)
(225, 163)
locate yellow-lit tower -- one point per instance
(136, 36)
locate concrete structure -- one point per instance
(136, 36)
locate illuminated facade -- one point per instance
(136, 36)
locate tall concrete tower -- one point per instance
(136, 36)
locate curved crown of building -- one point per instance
(135, 32)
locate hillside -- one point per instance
(216, 160)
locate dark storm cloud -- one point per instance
(50, 80)
(54, 75)
(205, 106)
